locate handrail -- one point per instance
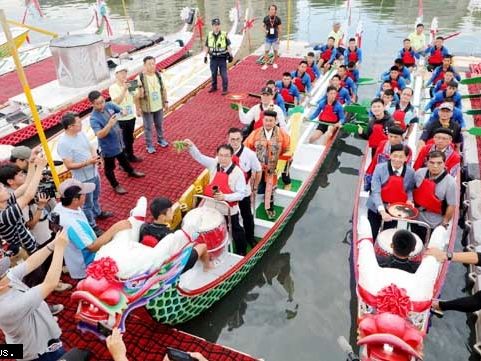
(33, 28)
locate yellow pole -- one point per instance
(127, 17)
(33, 28)
(288, 23)
(28, 94)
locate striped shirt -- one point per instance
(13, 229)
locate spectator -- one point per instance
(104, 123)
(81, 250)
(20, 156)
(81, 158)
(24, 316)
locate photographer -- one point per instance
(21, 154)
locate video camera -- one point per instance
(47, 185)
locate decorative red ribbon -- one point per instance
(199, 24)
(249, 24)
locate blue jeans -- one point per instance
(52, 356)
(219, 64)
(91, 206)
(156, 118)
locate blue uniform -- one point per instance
(358, 53)
(279, 101)
(403, 73)
(349, 84)
(305, 79)
(438, 71)
(355, 75)
(292, 90)
(338, 110)
(439, 98)
(323, 48)
(343, 96)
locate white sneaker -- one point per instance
(264, 67)
(274, 66)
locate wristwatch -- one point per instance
(449, 256)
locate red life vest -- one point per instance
(259, 122)
(394, 85)
(399, 116)
(338, 96)
(311, 73)
(298, 83)
(286, 95)
(326, 54)
(440, 77)
(352, 55)
(350, 74)
(408, 58)
(236, 161)
(328, 115)
(377, 135)
(425, 195)
(221, 180)
(444, 85)
(436, 57)
(453, 160)
(382, 155)
(393, 190)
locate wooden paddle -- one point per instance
(235, 106)
(476, 131)
(468, 81)
(366, 81)
(471, 96)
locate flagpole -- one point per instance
(127, 17)
(28, 94)
(288, 23)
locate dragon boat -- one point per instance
(394, 306)
(61, 91)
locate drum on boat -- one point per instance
(212, 229)
(383, 247)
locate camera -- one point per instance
(133, 85)
(54, 222)
(47, 185)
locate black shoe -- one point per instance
(98, 232)
(211, 90)
(137, 174)
(225, 92)
(134, 159)
(104, 215)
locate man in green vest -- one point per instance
(217, 45)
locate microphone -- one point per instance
(346, 347)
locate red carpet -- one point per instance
(204, 119)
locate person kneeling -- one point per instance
(403, 243)
(153, 233)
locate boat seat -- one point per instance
(474, 209)
(384, 240)
(473, 190)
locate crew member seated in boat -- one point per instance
(383, 153)
(392, 182)
(254, 117)
(450, 92)
(342, 93)
(435, 194)
(347, 82)
(386, 85)
(397, 81)
(247, 161)
(312, 68)
(408, 55)
(436, 53)
(278, 99)
(352, 72)
(153, 233)
(457, 114)
(352, 54)
(403, 243)
(404, 71)
(440, 71)
(442, 84)
(330, 111)
(418, 39)
(404, 113)
(301, 79)
(83, 243)
(387, 99)
(227, 184)
(443, 138)
(328, 54)
(269, 142)
(288, 90)
(445, 121)
(378, 126)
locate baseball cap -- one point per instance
(446, 105)
(266, 90)
(85, 188)
(120, 68)
(215, 21)
(21, 152)
(4, 265)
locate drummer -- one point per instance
(227, 184)
(392, 182)
(403, 244)
(435, 194)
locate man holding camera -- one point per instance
(217, 45)
(103, 121)
(123, 95)
(82, 160)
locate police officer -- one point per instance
(217, 45)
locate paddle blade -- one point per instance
(473, 112)
(298, 109)
(476, 131)
(355, 109)
(366, 81)
(235, 106)
(471, 96)
(475, 80)
(352, 128)
(362, 117)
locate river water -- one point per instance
(299, 298)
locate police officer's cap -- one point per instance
(215, 21)
(446, 131)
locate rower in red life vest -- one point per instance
(383, 152)
(408, 55)
(254, 117)
(440, 71)
(450, 92)
(277, 97)
(328, 54)
(352, 54)
(378, 126)
(247, 161)
(312, 68)
(347, 82)
(352, 72)
(442, 84)
(404, 113)
(342, 94)
(392, 182)
(434, 195)
(288, 90)
(386, 85)
(404, 71)
(443, 142)
(445, 120)
(301, 79)
(227, 184)
(397, 82)
(330, 111)
(436, 53)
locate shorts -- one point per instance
(322, 127)
(271, 43)
(194, 256)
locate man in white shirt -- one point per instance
(418, 39)
(228, 184)
(338, 36)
